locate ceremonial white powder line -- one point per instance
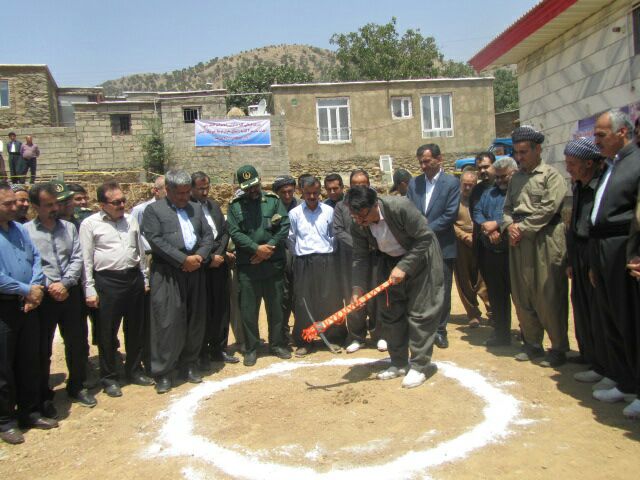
(177, 439)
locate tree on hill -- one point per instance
(379, 52)
(260, 79)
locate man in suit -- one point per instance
(409, 257)
(214, 346)
(181, 241)
(437, 195)
(17, 166)
(616, 291)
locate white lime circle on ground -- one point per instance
(177, 439)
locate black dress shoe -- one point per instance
(163, 384)
(84, 398)
(193, 376)
(48, 409)
(441, 341)
(250, 359)
(281, 352)
(113, 390)
(42, 423)
(141, 379)
(13, 436)
(224, 357)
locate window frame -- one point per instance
(197, 109)
(635, 27)
(402, 99)
(337, 108)
(8, 105)
(437, 132)
(121, 131)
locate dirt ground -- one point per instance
(341, 417)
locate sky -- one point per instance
(85, 42)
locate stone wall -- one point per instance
(33, 100)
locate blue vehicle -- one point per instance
(501, 147)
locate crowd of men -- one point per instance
(175, 270)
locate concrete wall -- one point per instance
(374, 131)
(98, 149)
(33, 99)
(583, 72)
(506, 122)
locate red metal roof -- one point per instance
(538, 26)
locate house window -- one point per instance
(4, 93)
(401, 107)
(191, 114)
(334, 123)
(437, 116)
(635, 18)
(121, 124)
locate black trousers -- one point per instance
(494, 268)
(19, 364)
(32, 166)
(614, 300)
(66, 315)
(448, 264)
(287, 293)
(121, 297)
(178, 317)
(18, 167)
(216, 334)
(316, 283)
(589, 329)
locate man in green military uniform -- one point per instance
(258, 225)
(537, 249)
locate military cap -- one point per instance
(527, 133)
(282, 181)
(583, 148)
(399, 176)
(62, 192)
(247, 176)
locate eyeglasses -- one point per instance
(117, 203)
(361, 215)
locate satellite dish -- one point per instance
(262, 107)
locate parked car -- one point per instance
(501, 147)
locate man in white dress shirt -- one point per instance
(115, 283)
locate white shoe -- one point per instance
(382, 345)
(413, 379)
(612, 395)
(632, 410)
(588, 376)
(392, 372)
(604, 384)
(354, 346)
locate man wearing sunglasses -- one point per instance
(115, 283)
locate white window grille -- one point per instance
(401, 107)
(334, 120)
(437, 115)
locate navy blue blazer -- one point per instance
(443, 208)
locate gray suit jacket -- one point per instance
(410, 229)
(161, 228)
